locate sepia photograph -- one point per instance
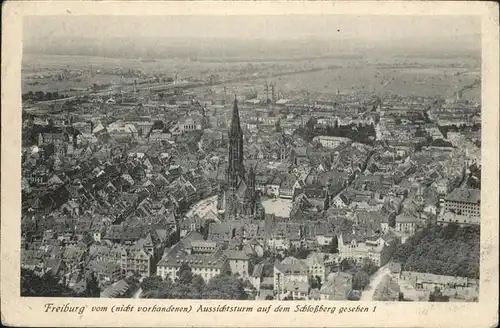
(270, 157)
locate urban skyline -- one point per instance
(254, 170)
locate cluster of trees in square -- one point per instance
(364, 134)
(451, 251)
(360, 272)
(225, 286)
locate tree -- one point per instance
(300, 252)
(92, 288)
(156, 294)
(227, 287)
(437, 296)
(185, 274)
(449, 231)
(316, 282)
(180, 291)
(156, 287)
(196, 288)
(360, 280)
(267, 270)
(152, 283)
(277, 125)
(46, 285)
(392, 221)
(39, 95)
(333, 247)
(346, 264)
(451, 251)
(369, 266)
(252, 262)
(225, 270)
(401, 297)
(87, 239)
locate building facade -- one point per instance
(463, 201)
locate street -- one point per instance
(138, 293)
(367, 294)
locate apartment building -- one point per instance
(205, 258)
(463, 201)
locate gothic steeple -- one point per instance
(236, 170)
(235, 129)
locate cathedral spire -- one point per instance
(235, 121)
(239, 197)
(236, 171)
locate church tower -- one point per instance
(236, 169)
(239, 197)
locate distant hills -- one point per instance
(254, 49)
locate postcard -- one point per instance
(250, 164)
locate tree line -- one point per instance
(449, 251)
(42, 96)
(50, 285)
(225, 286)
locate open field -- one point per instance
(399, 81)
(370, 79)
(76, 62)
(414, 76)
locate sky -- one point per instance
(254, 27)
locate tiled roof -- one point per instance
(178, 256)
(291, 266)
(402, 218)
(236, 255)
(465, 195)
